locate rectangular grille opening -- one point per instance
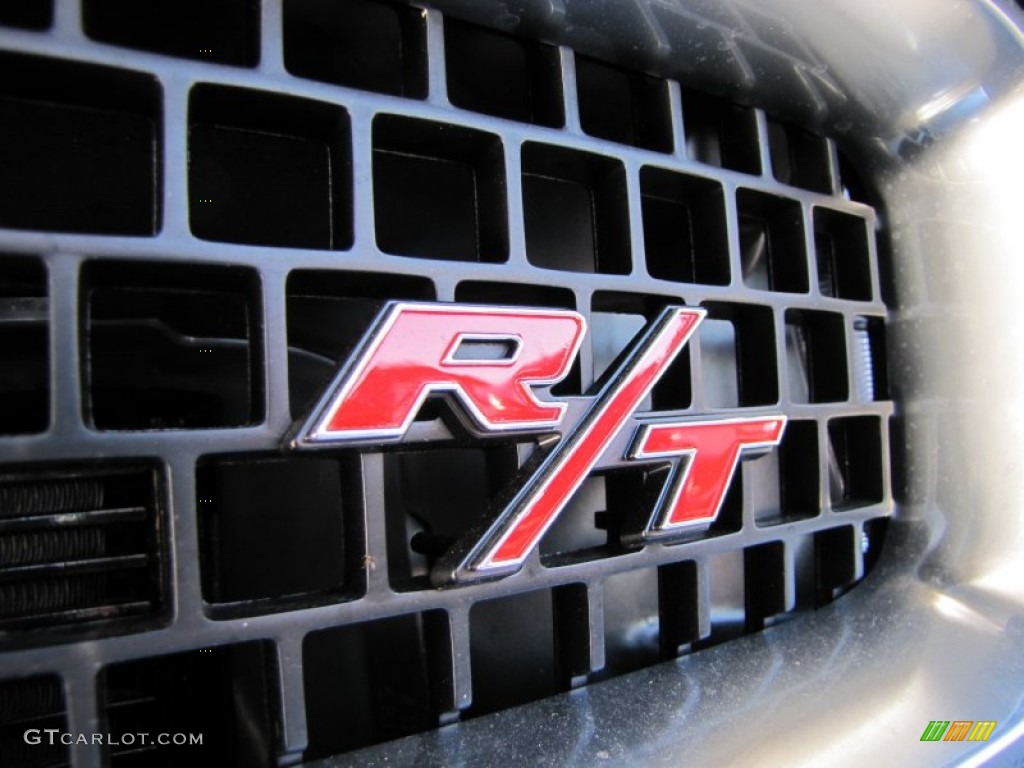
(719, 375)
(872, 539)
(372, 682)
(843, 258)
(626, 107)
(727, 596)
(610, 335)
(302, 515)
(79, 546)
(79, 145)
(730, 513)
(852, 184)
(328, 313)
(796, 466)
(27, 14)
(816, 353)
(571, 605)
(171, 347)
(24, 346)
(784, 482)
(512, 651)
(835, 562)
(501, 75)
(799, 158)
(909, 470)
(615, 320)
(772, 253)
(737, 344)
(606, 514)
(805, 576)
(678, 611)
(870, 365)
(266, 169)
(515, 295)
(631, 621)
(764, 589)
(524, 295)
(575, 208)
(371, 46)
(719, 133)
(763, 475)
(582, 528)
(855, 462)
(685, 235)
(33, 703)
(433, 498)
(225, 693)
(438, 191)
(221, 31)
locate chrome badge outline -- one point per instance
(410, 353)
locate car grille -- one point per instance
(197, 231)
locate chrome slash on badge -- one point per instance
(491, 363)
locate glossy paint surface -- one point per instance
(540, 502)
(414, 351)
(713, 450)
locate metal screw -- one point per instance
(864, 374)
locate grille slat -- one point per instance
(34, 546)
(60, 519)
(52, 498)
(74, 567)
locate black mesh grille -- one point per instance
(226, 235)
